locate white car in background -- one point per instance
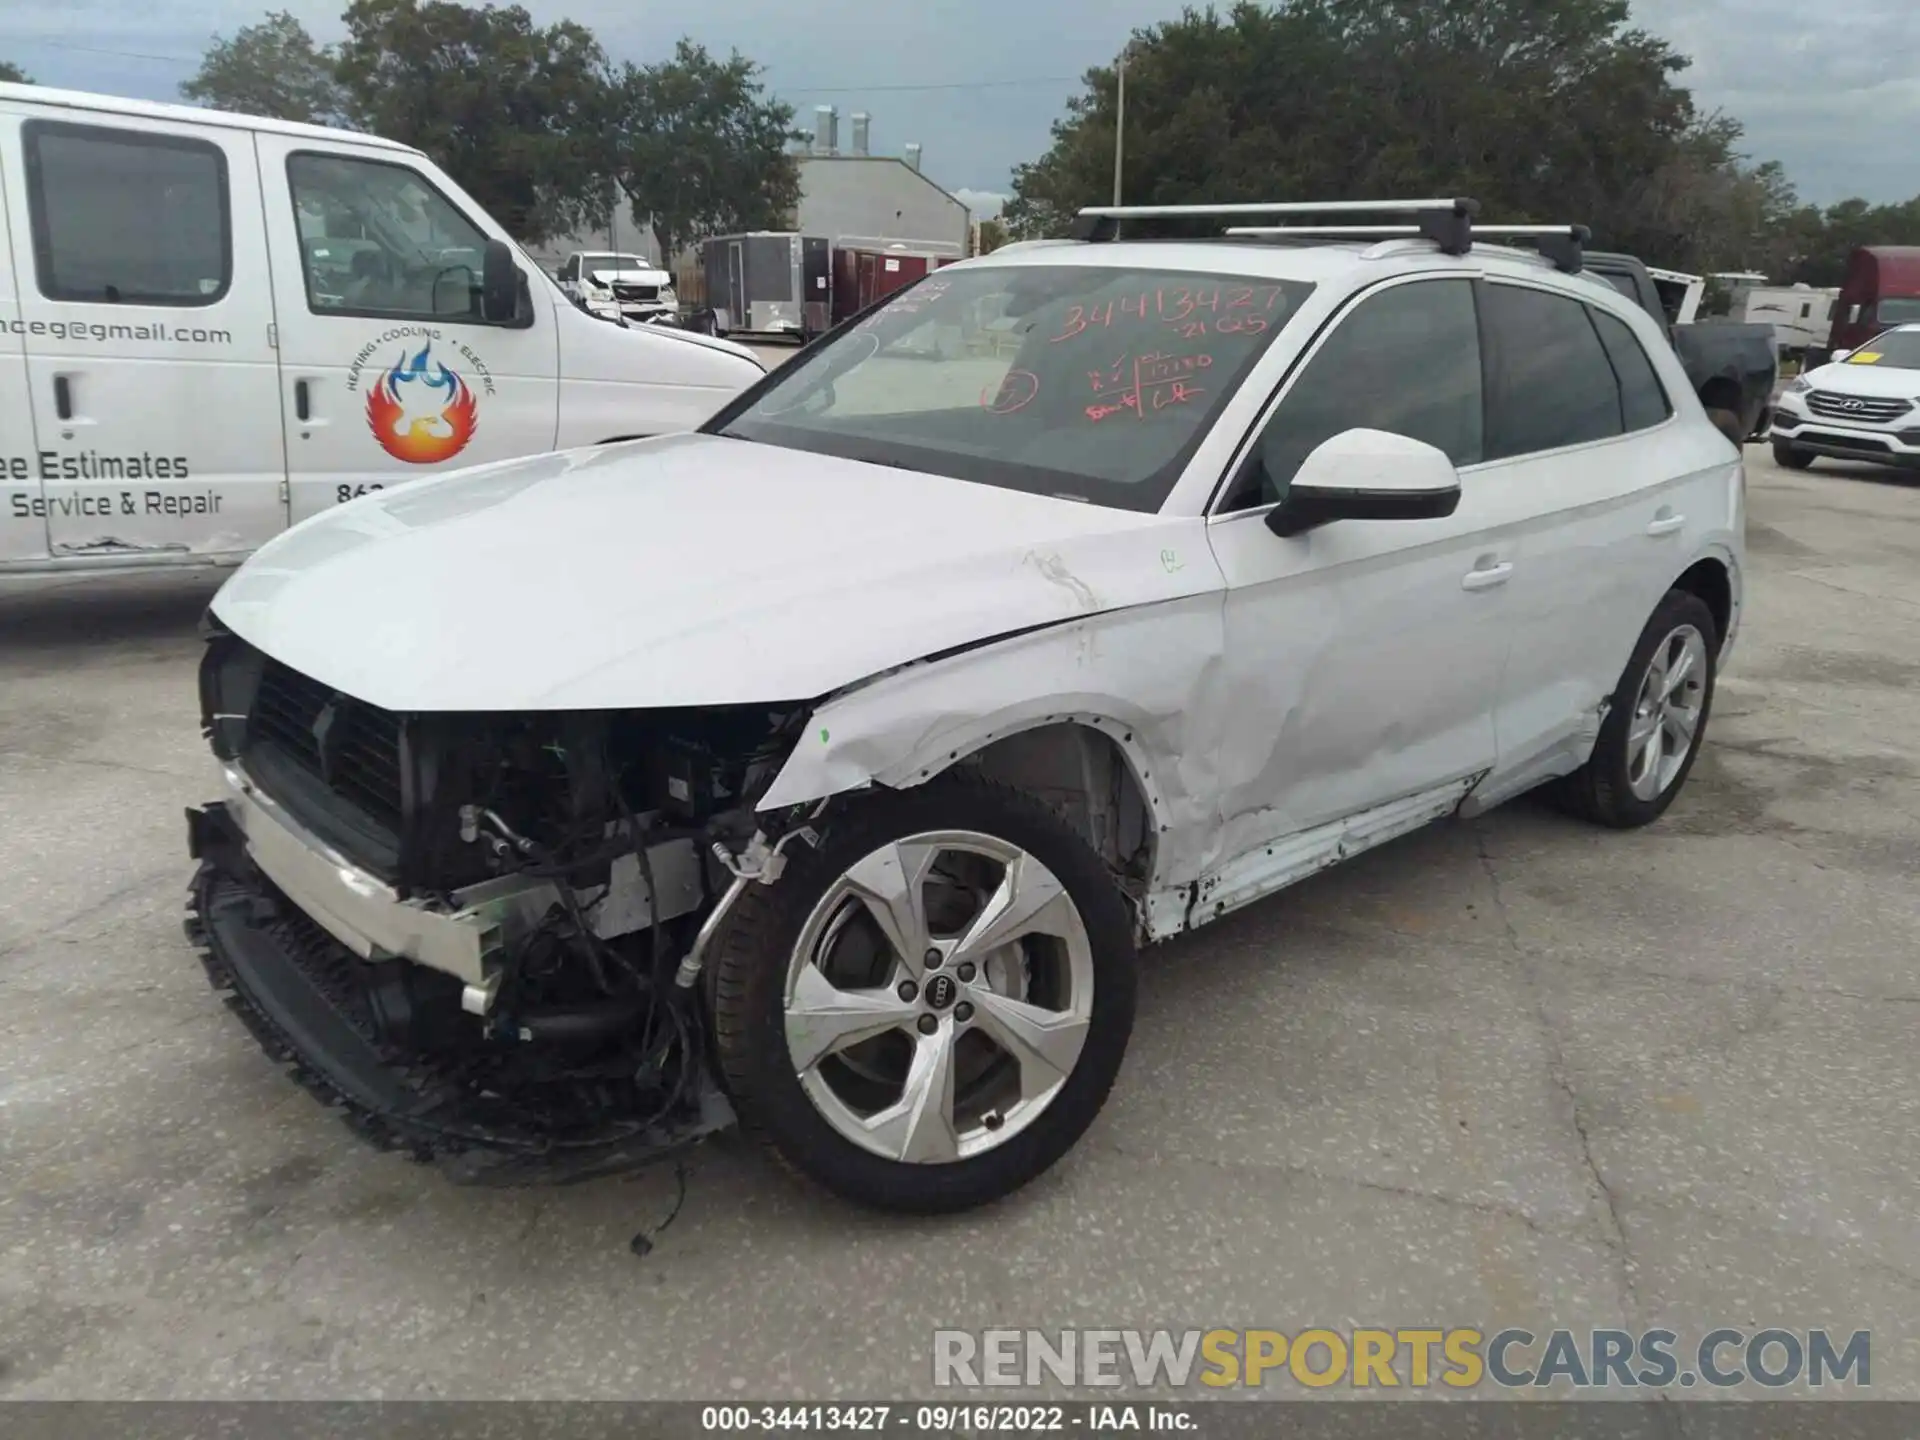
(1862, 405)
(828, 766)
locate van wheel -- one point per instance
(1656, 722)
(927, 1010)
(1788, 458)
(1729, 425)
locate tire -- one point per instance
(1604, 789)
(767, 950)
(1729, 425)
(1788, 458)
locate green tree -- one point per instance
(272, 68)
(13, 73)
(1542, 109)
(516, 113)
(993, 234)
(699, 149)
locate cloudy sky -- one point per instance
(1830, 89)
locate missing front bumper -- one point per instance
(465, 940)
(311, 1003)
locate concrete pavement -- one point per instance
(1508, 1072)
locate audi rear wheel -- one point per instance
(1656, 722)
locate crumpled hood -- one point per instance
(684, 570)
(630, 277)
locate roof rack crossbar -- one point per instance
(1445, 219)
(1283, 207)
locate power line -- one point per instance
(893, 89)
(949, 85)
(123, 54)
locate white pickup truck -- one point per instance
(623, 287)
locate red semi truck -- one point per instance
(1881, 290)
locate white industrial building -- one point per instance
(853, 196)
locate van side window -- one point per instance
(127, 217)
(377, 239)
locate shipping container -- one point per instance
(864, 274)
(768, 283)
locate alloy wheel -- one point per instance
(1666, 712)
(939, 996)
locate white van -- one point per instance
(214, 326)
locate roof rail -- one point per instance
(1564, 245)
(1448, 223)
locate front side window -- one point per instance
(1643, 400)
(1406, 360)
(127, 217)
(1898, 310)
(1552, 384)
(378, 239)
(1089, 382)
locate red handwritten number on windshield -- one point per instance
(1015, 392)
(1146, 383)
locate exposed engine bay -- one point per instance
(516, 981)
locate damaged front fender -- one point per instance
(1132, 675)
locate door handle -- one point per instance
(1488, 576)
(1666, 523)
(302, 407)
(62, 397)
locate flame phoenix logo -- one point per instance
(421, 411)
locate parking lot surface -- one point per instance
(1509, 1072)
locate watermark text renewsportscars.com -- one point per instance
(1770, 1358)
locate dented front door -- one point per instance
(1362, 659)
(141, 261)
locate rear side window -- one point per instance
(1552, 384)
(1406, 360)
(1643, 400)
(127, 217)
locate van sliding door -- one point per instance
(141, 259)
(23, 516)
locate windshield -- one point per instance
(614, 262)
(1086, 382)
(1896, 350)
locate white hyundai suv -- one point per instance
(826, 768)
(1863, 405)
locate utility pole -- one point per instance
(1120, 120)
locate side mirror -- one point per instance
(499, 284)
(1367, 475)
(1837, 356)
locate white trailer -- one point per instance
(1800, 314)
